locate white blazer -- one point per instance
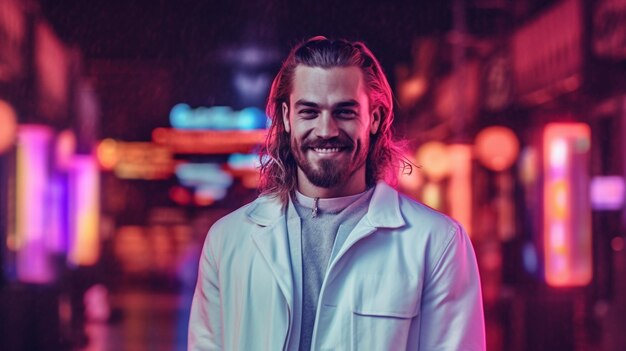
(405, 279)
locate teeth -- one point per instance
(326, 150)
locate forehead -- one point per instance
(328, 85)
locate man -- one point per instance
(330, 257)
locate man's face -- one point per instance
(330, 122)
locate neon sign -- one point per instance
(209, 182)
(84, 243)
(30, 239)
(567, 235)
(607, 192)
(203, 174)
(135, 160)
(208, 141)
(182, 116)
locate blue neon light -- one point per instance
(243, 161)
(203, 174)
(182, 116)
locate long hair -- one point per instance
(278, 166)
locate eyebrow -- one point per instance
(347, 103)
(305, 103)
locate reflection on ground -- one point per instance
(147, 320)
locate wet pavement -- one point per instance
(144, 320)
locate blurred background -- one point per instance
(128, 127)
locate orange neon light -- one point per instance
(559, 199)
(107, 154)
(209, 141)
(567, 231)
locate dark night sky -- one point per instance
(188, 29)
(187, 36)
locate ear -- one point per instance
(286, 118)
(376, 118)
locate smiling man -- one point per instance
(330, 256)
(328, 118)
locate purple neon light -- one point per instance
(32, 258)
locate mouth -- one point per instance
(328, 150)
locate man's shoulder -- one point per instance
(430, 227)
(418, 213)
(262, 211)
(392, 207)
(234, 217)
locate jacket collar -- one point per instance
(265, 210)
(272, 240)
(384, 208)
(383, 211)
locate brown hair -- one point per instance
(278, 166)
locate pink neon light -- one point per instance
(84, 241)
(608, 192)
(567, 211)
(558, 153)
(32, 260)
(557, 237)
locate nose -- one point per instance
(326, 126)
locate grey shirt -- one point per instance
(322, 235)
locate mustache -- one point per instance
(335, 142)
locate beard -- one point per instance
(329, 172)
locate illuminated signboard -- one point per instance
(209, 181)
(8, 121)
(135, 160)
(212, 130)
(607, 193)
(84, 179)
(208, 141)
(567, 235)
(182, 116)
(203, 174)
(31, 228)
(244, 161)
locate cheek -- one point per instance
(301, 130)
(361, 133)
(295, 139)
(365, 141)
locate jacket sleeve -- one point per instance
(205, 324)
(452, 311)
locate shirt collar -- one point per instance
(383, 211)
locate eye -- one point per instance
(346, 113)
(307, 113)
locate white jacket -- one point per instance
(405, 279)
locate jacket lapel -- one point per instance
(383, 212)
(272, 239)
(272, 242)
